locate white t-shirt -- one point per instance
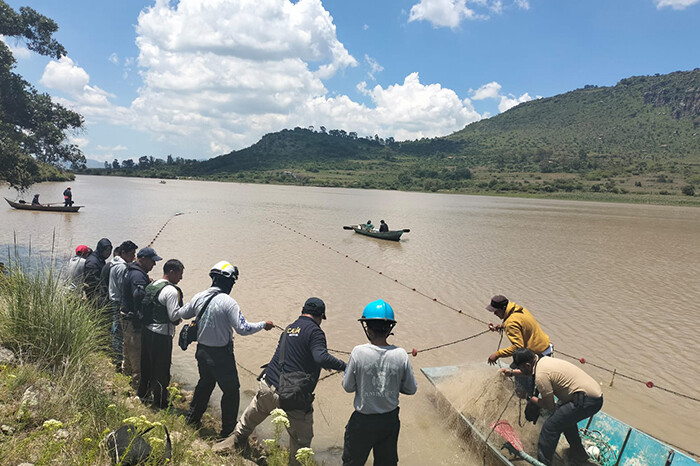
(377, 374)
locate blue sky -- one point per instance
(199, 78)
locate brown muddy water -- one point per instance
(615, 284)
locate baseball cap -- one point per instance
(150, 253)
(82, 249)
(498, 303)
(314, 306)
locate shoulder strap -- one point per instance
(283, 343)
(204, 308)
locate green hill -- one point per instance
(641, 120)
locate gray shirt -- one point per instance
(222, 317)
(116, 278)
(377, 374)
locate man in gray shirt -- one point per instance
(377, 372)
(215, 359)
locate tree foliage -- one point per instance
(32, 127)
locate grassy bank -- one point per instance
(59, 394)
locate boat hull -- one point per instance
(42, 208)
(393, 235)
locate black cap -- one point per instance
(150, 253)
(521, 356)
(315, 307)
(498, 303)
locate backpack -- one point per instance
(295, 388)
(149, 310)
(128, 447)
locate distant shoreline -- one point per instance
(671, 200)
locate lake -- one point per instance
(615, 284)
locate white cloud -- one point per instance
(374, 67)
(114, 58)
(491, 90)
(64, 75)
(522, 4)
(79, 141)
(365, 27)
(216, 76)
(675, 4)
(117, 148)
(496, 7)
(441, 13)
(18, 51)
(511, 101)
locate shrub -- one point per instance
(45, 324)
(688, 190)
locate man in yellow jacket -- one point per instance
(521, 328)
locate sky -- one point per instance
(199, 78)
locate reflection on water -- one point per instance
(609, 282)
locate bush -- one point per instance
(44, 323)
(688, 190)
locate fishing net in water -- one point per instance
(597, 447)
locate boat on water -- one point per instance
(391, 235)
(625, 445)
(42, 207)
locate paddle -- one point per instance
(513, 443)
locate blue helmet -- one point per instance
(378, 310)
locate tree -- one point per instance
(32, 127)
(128, 163)
(115, 164)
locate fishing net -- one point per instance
(598, 448)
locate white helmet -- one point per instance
(224, 269)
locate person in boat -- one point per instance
(215, 358)
(158, 332)
(523, 331)
(383, 227)
(302, 350)
(93, 268)
(117, 272)
(377, 372)
(369, 226)
(579, 397)
(35, 201)
(133, 290)
(67, 197)
(75, 273)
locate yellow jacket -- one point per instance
(523, 331)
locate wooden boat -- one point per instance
(42, 207)
(391, 235)
(629, 446)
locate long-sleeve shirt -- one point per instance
(222, 317)
(305, 351)
(523, 331)
(116, 279)
(377, 374)
(171, 299)
(134, 279)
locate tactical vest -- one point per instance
(153, 312)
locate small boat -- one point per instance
(627, 445)
(391, 235)
(162, 181)
(43, 207)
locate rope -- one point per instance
(648, 383)
(162, 228)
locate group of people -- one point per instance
(144, 313)
(67, 198)
(540, 378)
(383, 227)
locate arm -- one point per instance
(515, 335)
(238, 322)
(170, 298)
(349, 381)
(319, 351)
(409, 386)
(546, 402)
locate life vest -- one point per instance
(152, 311)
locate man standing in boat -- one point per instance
(579, 397)
(67, 197)
(383, 227)
(523, 331)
